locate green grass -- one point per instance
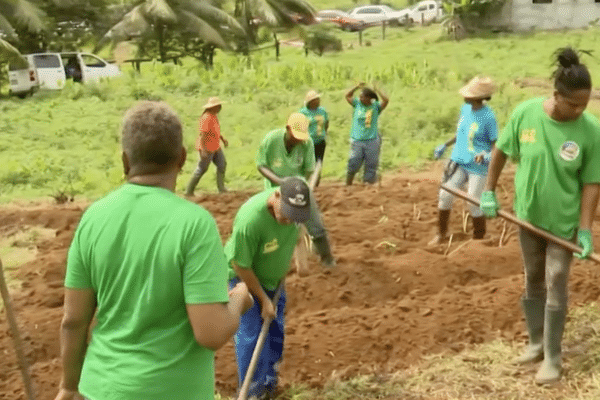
(69, 140)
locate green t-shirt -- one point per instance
(317, 121)
(555, 159)
(273, 154)
(147, 253)
(258, 242)
(364, 120)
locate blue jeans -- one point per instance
(265, 376)
(366, 151)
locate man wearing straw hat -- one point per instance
(208, 145)
(288, 152)
(475, 136)
(318, 123)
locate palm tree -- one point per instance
(160, 18)
(274, 13)
(17, 13)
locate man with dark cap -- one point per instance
(259, 251)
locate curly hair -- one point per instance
(152, 137)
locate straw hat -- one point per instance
(298, 123)
(212, 102)
(479, 87)
(310, 96)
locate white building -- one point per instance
(546, 14)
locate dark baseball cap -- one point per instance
(295, 199)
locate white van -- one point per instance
(45, 70)
(426, 11)
(51, 70)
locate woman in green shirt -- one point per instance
(556, 146)
(318, 124)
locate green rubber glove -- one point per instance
(584, 240)
(489, 204)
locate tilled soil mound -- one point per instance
(391, 300)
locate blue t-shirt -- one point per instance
(476, 132)
(316, 123)
(364, 120)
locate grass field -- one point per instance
(69, 140)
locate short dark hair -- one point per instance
(152, 137)
(570, 74)
(370, 93)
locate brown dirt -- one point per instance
(390, 301)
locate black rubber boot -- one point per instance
(443, 218)
(478, 227)
(349, 179)
(534, 319)
(323, 248)
(554, 325)
(192, 185)
(221, 182)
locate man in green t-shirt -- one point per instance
(151, 266)
(259, 252)
(288, 152)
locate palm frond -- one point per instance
(6, 27)
(200, 27)
(264, 11)
(28, 15)
(133, 24)
(160, 9)
(9, 53)
(208, 12)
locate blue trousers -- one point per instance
(265, 376)
(366, 151)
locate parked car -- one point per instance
(426, 11)
(378, 14)
(51, 70)
(341, 19)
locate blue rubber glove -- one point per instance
(585, 241)
(439, 151)
(489, 204)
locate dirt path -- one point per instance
(391, 300)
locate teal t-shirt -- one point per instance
(318, 119)
(476, 132)
(273, 154)
(555, 159)
(364, 120)
(258, 242)
(146, 253)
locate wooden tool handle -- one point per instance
(526, 225)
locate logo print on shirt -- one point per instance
(320, 122)
(298, 201)
(528, 136)
(271, 246)
(277, 163)
(368, 118)
(569, 151)
(472, 132)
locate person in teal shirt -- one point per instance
(318, 124)
(556, 146)
(151, 267)
(476, 134)
(365, 141)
